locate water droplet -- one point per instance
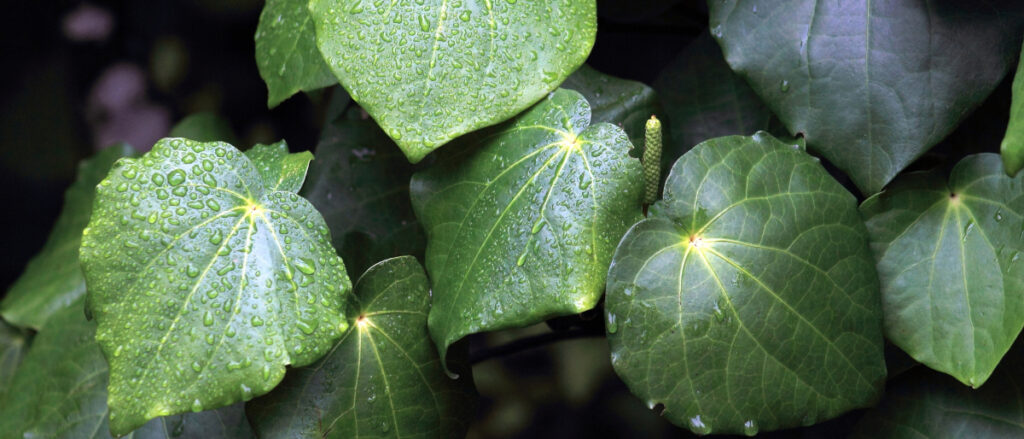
(256, 321)
(208, 318)
(611, 325)
(176, 177)
(750, 428)
(784, 86)
(197, 406)
(305, 265)
(537, 226)
(698, 426)
(197, 367)
(191, 270)
(464, 16)
(999, 215)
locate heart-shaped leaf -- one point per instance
(430, 71)
(61, 392)
(360, 183)
(1013, 143)
(522, 224)
(383, 379)
(948, 262)
(872, 85)
(205, 282)
(286, 51)
(13, 344)
(621, 102)
(53, 279)
(748, 300)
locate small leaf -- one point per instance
(870, 102)
(521, 225)
(383, 379)
(13, 344)
(205, 282)
(948, 259)
(286, 51)
(431, 71)
(360, 183)
(748, 301)
(280, 170)
(60, 392)
(621, 102)
(1013, 144)
(204, 127)
(53, 279)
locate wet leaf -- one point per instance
(280, 170)
(627, 104)
(1013, 144)
(286, 51)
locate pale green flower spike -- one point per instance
(652, 159)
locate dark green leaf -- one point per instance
(60, 392)
(621, 102)
(1013, 144)
(948, 262)
(280, 170)
(204, 127)
(205, 282)
(13, 344)
(871, 84)
(748, 300)
(521, 226)
(430, 71)
(286, 52)
(383, 379)
(52, 279)
(360, 183)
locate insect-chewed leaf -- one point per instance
(205, 282)
(383, 379)
(748, 300)
(948, 259)
(521, 225)
(286, 52)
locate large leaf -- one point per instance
(1013, 143)
(748, 300)
(383, 379)
(521, 226)
(871, 84)
(60, 392)
(286, 51)
(948, 262)
(13, 344)
(928, 405)
(621, 102)
(205, 282)
(430, 71)
(360, 183)
(52, 279)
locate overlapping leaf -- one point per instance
(286, 51)
(280, 170)
(383, 379)
(53, 279)
(871, 84)
(522, 224)
(948, 262)
(748, 301)
(621, 102)
(430, 71)
(205, 281)
(1013, 143)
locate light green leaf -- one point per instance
(431, 71)
(60, 392)
(52, 279)
(1013, 144)
(205, 282)
(383, 379)
(286, 52)
(621, 102)
(948, 262)
(929, 405)
(748, 301)
(13, 344)
(522, 224)
(280, 170)
(360, 183)
(872, 85)
(204, 127)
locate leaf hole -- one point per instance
(658, 409)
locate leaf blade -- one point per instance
(286, 51)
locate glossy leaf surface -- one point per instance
(281, 171)
(433, 70)
(1013, 143)
(948, 259)
(621, 102)
(872, 85)
(205, 282)
(748, 300)
(53, 279)
(286, 51)
(383, 379)
(522, 224)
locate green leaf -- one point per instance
(1013, 144)
(383, 379)
(53, 279)
(948, 262)
(360, 183)
(521, 226)
(280, 170)
(60, 392)
(621, 102)
(204, 127)
(431, 71)
(748, 300)
(13, 344)
(704, 99)
(205, 282)
(286, 52)
(929, 405)
(868, 101)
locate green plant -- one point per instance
(745, 286)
